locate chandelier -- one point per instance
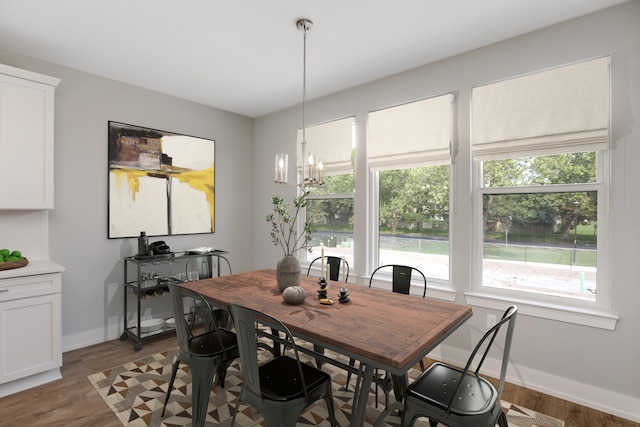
(312, 168)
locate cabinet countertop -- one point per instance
(39, 266)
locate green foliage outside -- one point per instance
(533, 226)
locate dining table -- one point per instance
(378, 328)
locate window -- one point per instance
(330, 207)
(409, 155)
(540, 144)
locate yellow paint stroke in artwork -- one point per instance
(202, 180)
(133, 178)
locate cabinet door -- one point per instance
(26, 144)
(30, 336)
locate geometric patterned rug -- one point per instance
(135, 392)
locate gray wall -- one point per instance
(93, 310)
(591, 366)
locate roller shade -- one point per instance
(557, 111)
(411, 134)
(331, 142)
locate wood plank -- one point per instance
(390, 329)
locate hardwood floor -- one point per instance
(72, 401)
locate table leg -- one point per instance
(399, 386)
(361, 395)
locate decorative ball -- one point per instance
(294, 295)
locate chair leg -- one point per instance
(318, 349)
(502, 419)
(377, 385)
(399, 386)
(407, 416)
(174, 371)
(233, 419)
(202, 372)
(330, 407)
(352, 362)
(221, 372)
(421, 365)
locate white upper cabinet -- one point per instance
(26, 139)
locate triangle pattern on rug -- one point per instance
(135, 392)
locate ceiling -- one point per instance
(245, 56)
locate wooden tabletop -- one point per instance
(389, 330)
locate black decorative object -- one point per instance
(343, 296)
(323, 292)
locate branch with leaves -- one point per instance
(284, 224)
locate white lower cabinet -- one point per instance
(30, 331)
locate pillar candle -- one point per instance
(344, 271)
(322, 270)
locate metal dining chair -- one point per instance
(461, 397)
(282, 387)
(207, 353)
(401, 276)
(335, 265)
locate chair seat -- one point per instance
(208, 343)
(279, 379)
(438, 383)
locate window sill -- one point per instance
(436, 291)
(592, 318)
(441, 293)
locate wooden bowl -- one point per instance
(13, 264)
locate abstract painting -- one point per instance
(160, 182)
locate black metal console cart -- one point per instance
(147, 276)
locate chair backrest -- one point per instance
(335, 266)
(247, 323)
(200, 313)
(401, 281)
(485, 344)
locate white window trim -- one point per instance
(560, 312)
(436, 289)
(304, 263)
(567, 310)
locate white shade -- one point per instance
(281, 168)
(331, 143)
(412, 133)
(556, 111)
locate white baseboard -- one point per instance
(85, 339)
(583, 394)
(112, 331)
(29, 382)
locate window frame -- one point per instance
(595, 314)
(593, 135)
(329, 171)
(436, 288)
